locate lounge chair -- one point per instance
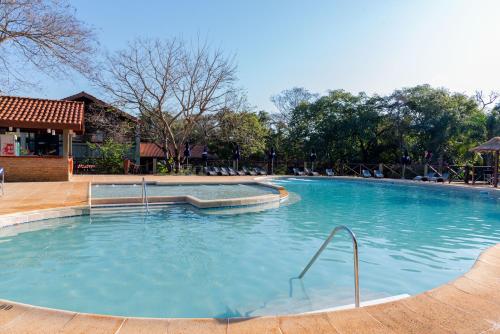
(366, 173)
(259, 171)
(231, 171)
(329, 172)
(429, 177)
(223, 171)
(309, 172)
(433, 176)
(443, 178)
(378, 174)
(248, 172)
(298, 172)
(209, 171)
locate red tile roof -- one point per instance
(24, 112)
(151, 150)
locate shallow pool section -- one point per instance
(179, 261)
(200, 191)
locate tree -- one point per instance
(289, 99)
(171, 84)
(44, 34)
(244, 128)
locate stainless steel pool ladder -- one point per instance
(145, 195)
(355, 251)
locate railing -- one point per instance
(3, 180)
(145, 195)
(355, 251)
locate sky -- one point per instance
(364, 45)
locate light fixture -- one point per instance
(53, 132)
(48, 130)
(10, 128)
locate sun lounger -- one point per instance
(443, 178)
(329, 172)
(223, 171)
(231, 171)
(248, 172)
(309, 172)
(366, 173)
(429, 177)
(259, 171)
(209, 171)
(297, 172)
(378, 174)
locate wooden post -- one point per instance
(495, 170)
(155, 161)
(66, 143)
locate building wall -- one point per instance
(35, 168)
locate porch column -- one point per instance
(66, 143)
(495, 169)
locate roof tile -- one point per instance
(27, 112)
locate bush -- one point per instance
(111, 156)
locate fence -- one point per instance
(468, 174)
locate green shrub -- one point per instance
(110, 156)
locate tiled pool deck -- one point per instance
(470, 304)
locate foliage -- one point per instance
(244, 128)
(342, 126)
(110, 156)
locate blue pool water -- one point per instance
(182, 262)
(201, 191)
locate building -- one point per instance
(36, 137)
(151, 153)
(104, 121)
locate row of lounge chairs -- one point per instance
(228, 171)
(433, 177)
(329, 172)
(306, 171)
(376, 173)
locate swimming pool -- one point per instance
(181, 262)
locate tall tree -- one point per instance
(171, 84)
(44, 34)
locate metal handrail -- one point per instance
(145, 195)
(355, 251)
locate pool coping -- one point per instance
(468, 303)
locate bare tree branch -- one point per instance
(44, 34)
(171, 85)
(484, 103)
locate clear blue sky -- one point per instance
(372, 46)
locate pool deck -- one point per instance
(469, 304)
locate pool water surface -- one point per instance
(179, 261)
